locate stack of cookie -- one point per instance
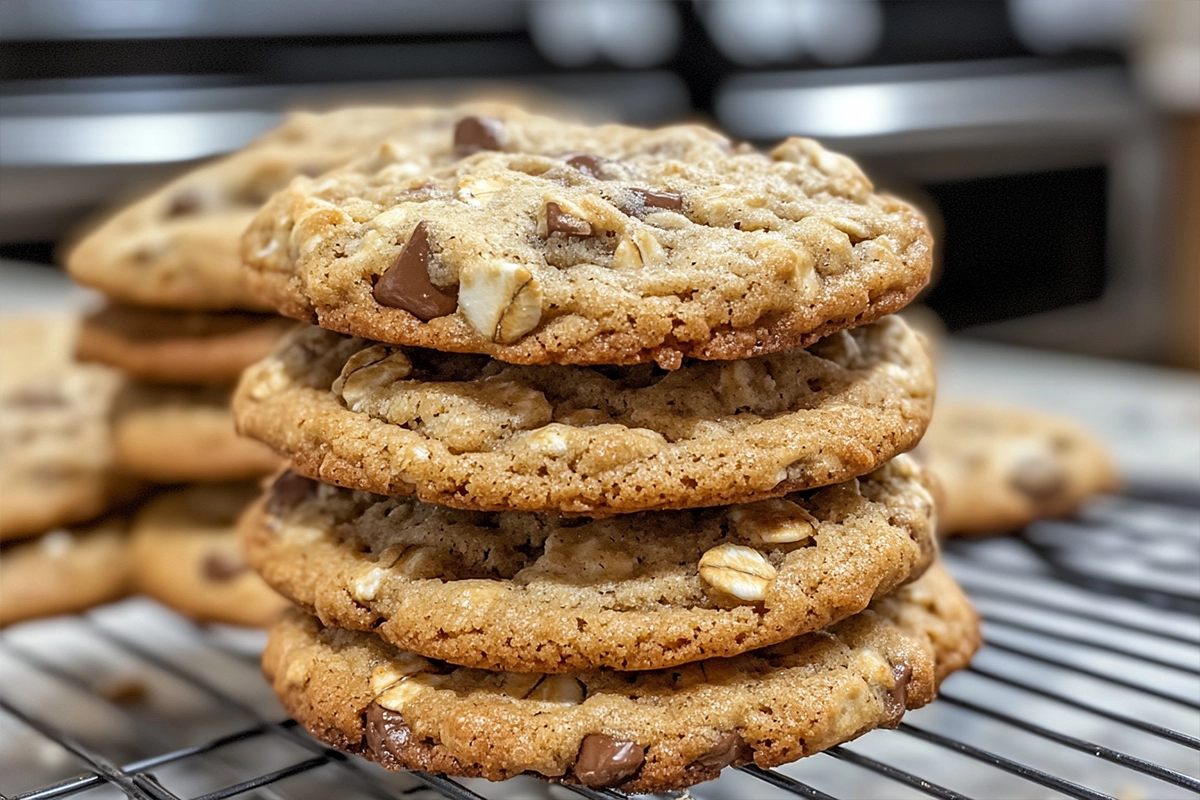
(181, 324)
(612, 490)
(56, 475)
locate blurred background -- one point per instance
(1055, 144)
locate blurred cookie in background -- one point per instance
(56, 452)
(175, 347)
(174, 434)
(63, 571)
(186, 554)
(1001, 468)
(178, 247)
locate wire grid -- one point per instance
(1087, 687)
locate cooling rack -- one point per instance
(1088, 686)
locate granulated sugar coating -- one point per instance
(469, 432)
(538, 241)
(640, 731)
(537, 593)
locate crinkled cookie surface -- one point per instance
(470, 432)
(538, 241)
(638, 732)
(537, 593)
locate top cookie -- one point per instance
(178, 247)
(537, 241)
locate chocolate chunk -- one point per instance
(387, 732)
(288, 491)
(902, 673)
(643, 199)
(473, 134)
(728, 749)
(1039, 477)
(186, 201)
(221, 567)
(560, 221)
(605, 761)
(588, 164)
(406, 284)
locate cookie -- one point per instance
(533, 593)
(178, 247)
(186, 554)
(63, 572)
(178, 346)
(537, 241)
(172, 434)
(1002, 468)
(637, 732)
(470, 432)
(56, 452)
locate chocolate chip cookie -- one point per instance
(634, 731)
(171, 434)
(538, 241)
(466, 431)
(178, 247)
(186, 554)
(63, 571)
(56, 451)
(194, 347)
(532, 593)
(1001, 468)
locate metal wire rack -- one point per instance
(1088, 687)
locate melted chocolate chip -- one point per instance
(406, 284)
(588, 164)
(605, 761)
(1038, 477)
(898, 695)
(288, 491)
(643, 199)
(221, 567)
(903, 674)
(473, 134)
(558, 221)
(728, 749)
(186, 201)
(387, 732)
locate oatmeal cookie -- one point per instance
(178, 247)
(470, 432)
(189, 347)
(1001, 468)
(538, 241)
(532, 593)
(56, 449)
(637, 732)
(186, 554)
(172, 434)
(63, 571)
